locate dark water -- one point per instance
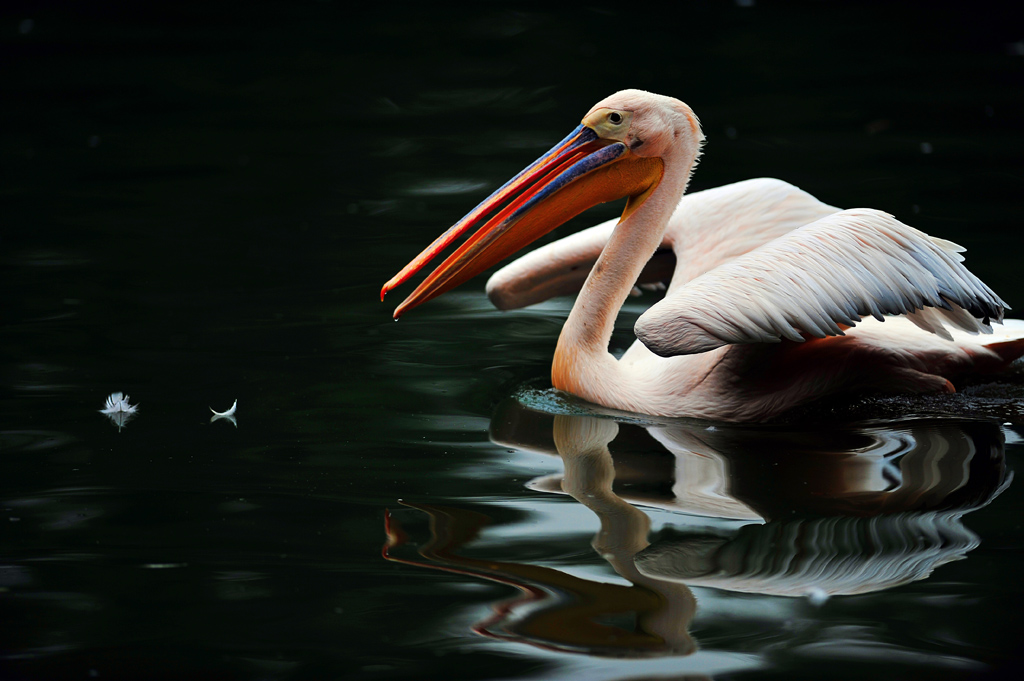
(200, 205)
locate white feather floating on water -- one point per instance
(118, 409)
(229, 414)
(117, 403)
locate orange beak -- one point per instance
(580, 172)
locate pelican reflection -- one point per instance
(557, 610)
(844, 509)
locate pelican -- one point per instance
(775, 299)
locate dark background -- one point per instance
(200, 202)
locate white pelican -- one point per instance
(767, 283)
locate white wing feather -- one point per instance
(837, 270)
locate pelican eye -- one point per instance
(609, 124)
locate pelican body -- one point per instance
(774, 298)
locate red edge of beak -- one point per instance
(527, 175)
(574, 157)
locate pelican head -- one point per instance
(652, 126)
(620, 150)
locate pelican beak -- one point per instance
(581, 171)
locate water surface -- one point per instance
(200, 205)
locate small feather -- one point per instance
(117, 403)
(228, 415)
(119, 410)
(229, 412)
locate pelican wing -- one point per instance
(815, 280)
